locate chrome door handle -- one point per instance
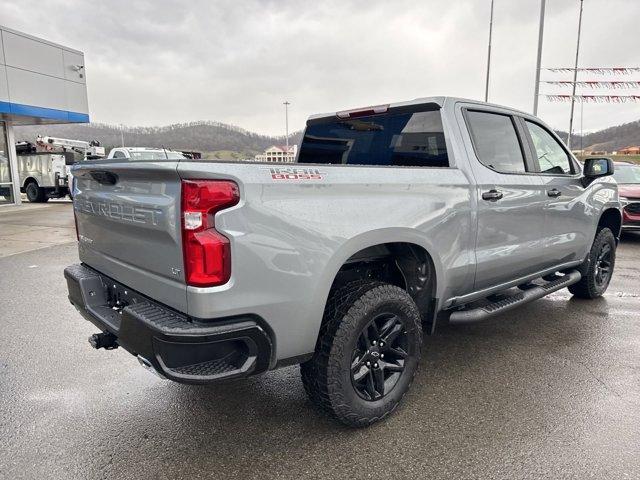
(554, 192)
(492, 195)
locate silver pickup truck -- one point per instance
(393, 218)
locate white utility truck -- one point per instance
(44, 167)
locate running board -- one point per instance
(529, 294)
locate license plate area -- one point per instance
(101, 297)
(118, 296)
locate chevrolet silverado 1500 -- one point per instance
(394, 217)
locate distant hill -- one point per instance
(221, 140)
(224, 141)
(608, 140)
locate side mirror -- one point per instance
(597, 167)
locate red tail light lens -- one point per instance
(207, 253)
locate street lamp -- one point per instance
(286, 121)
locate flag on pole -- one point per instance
(597, 70)
(594, 98)
(608, 84)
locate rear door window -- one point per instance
(496, 141)
(413, 139)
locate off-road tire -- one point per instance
(588, 287)
(35, 194)
(327, 375)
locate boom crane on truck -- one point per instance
(44, 168)
(90, 150)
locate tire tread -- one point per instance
(320, 375)
(586, 287)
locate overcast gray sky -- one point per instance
(164, 61)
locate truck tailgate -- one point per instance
(129, 226)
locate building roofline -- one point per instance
(40, 39)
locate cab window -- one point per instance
(549, 154)
(495, 141)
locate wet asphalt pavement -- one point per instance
(551, 390)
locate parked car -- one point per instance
(208, 271)
(628, 177)
(141, 154)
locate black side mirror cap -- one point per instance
(597, 167)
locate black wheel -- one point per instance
(367, 352)
(35, 194)
(598, 267)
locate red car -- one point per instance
(628, 177)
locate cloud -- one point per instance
(164, 61)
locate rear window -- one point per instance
(414, 139)
(159, 155)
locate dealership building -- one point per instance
(41, 82)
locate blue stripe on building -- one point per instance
(41, 112)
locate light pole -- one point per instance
(540, 34)
(122, 134)
(575, 78)
(581, 131)
(486, 85)
(286, 122)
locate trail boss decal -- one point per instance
(292, 173)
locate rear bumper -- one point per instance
(176, 346)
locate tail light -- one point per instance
(207, 253)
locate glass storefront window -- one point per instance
(6, 191)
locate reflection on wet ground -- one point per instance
(551, 390)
